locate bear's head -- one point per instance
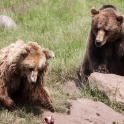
(34, 62)
(106, 25)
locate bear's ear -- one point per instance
(94, 11)
(25, 51)
(120, 19)
(49, 54)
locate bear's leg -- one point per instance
(47, 102)
(6, 101)
(40, 97)
(99, 66)
(85, 70)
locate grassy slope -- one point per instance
(59, 25)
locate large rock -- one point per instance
(87, 111)
(112, 85)
(7, 22)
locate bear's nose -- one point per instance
(98, 43)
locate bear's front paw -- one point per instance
(48, 106)
(12, 106)
(9, 104)
(102, 69)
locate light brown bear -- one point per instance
(22, 71)
(104, 50)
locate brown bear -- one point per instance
(22, 71)
(104, 50)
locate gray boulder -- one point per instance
(7, 22)
(112, 85)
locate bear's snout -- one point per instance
(32, 78)
(98, 43)
(100, 38)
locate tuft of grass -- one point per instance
(20, 116)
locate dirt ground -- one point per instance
(86, 111)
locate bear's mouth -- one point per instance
(32, 82)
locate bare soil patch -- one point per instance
(86, 111)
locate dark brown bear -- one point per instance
(104, 50)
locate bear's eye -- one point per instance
(42, 69)
(106, 31)
(31, 68)
(39, 70)
(97, 29)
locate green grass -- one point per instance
(61, 26)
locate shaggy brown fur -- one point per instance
(22, 71)
(105, 44)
